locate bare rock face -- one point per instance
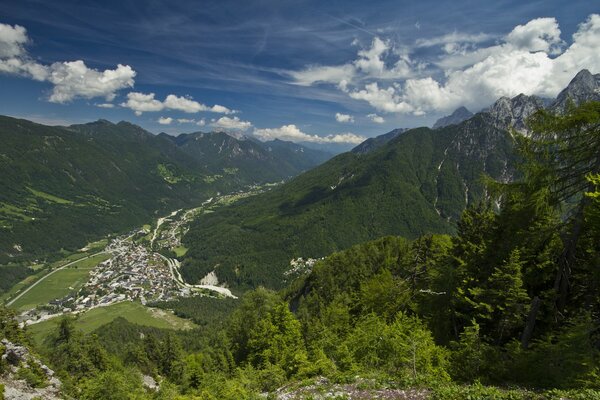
(584, 87)
(18, 357)
(512, 113)
(459, 115)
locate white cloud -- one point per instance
(323, 74)
(165, 120)
(221, 109)
(146, 102)
(541, 34)
(70, 79)
(12, 40)
(186, 121)
(188, 105)
(376, 118)
(142, 102)
(344, 118)
(201, 122)
(185, 104)
(105, 105)
(234, 123)
(531, 59)
(370, 64)
(74, 79)
(294, 134)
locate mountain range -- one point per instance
(407, 182)
(61, 187)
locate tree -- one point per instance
(560, 153)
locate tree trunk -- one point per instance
(528, 331)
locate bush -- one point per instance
(33, 375)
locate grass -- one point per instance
(13, 211)
(131, 311)
(180, 251)
(21, 285)
(49, 197)
(59, 284)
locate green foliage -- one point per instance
(9, 327)
(403, 349)
(113, 385)
(204, 311)
(33, 375)
(470, 356)
(11, 275)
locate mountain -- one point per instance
(459, 115)
(418, 182)
(512, 113)
(61, 187)
(247, 160)
(378, 141)
(583, 87)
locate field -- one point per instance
(180, 251)
(95, 318)
(58, 284)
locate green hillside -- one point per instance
(62, 187)
(416, 184)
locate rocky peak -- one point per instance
(507, 113)
(378, 141)
(459, 115)
(583, 87)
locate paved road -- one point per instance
(47, 275)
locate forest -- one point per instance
(506, 308)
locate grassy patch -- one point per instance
(14, 212)
(59, 284)
(131, 311)
(49, 197)
(180, 251)
(16, 289)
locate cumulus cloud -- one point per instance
(376, 118)
(105, 105)
(146, 102)
(344, 118)
(188, 105)
(201, 122)
(186, 120)
(234, 124)
(142, 102)
(165, 120)
(294, 134)
(531, 59)
(70, 79)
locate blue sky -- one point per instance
(324, 72)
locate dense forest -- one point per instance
(506, 308)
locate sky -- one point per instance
(324, 72)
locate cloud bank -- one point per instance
(531, 59)
(293, 134)
(146, 102)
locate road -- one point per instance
(174, 267)
(47, 275)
